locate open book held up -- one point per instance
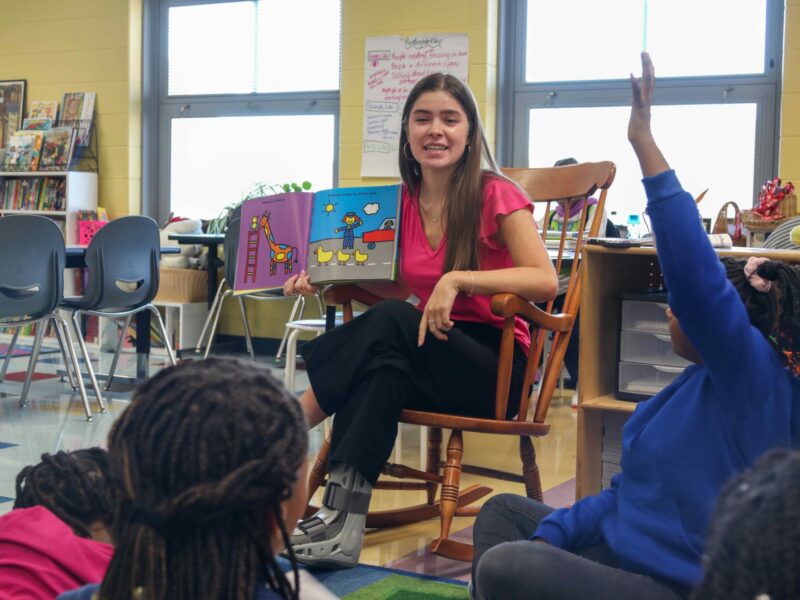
(338, 235)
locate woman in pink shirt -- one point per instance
(466, 232)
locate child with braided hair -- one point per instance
(645, 535)
(56, 537)
(209, 459)
(752, 545)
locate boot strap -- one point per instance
(340, 498)
(314, 528)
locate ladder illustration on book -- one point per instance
(252, 252)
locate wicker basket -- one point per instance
(788, 206)
(754, 222)
(182, 285)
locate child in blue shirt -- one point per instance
(739, 323)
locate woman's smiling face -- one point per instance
(438, 129)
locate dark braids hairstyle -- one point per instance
(752, 550)
(74, 486)
(203, 458)
(776, 313)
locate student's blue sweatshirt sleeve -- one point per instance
(579, 526)
(705, 303)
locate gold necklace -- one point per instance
(427, 215)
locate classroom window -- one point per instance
(565, 92)
(237, 92)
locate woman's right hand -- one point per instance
(299, 284)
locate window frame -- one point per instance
(517, 97)
(158, 108)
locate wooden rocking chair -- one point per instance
(544, 186)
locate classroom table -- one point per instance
(76, 258)
(211, 240)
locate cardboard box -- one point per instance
(182, 285)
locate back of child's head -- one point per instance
(74, 486)
(770, 291)
(564, 162)
(752, 550)
(203, 458)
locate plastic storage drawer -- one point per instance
(644, 316)
(639, 381)
(648, 348)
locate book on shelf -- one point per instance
(338, 236)
(37, 124)
(24, 150)
(43, 109)
(57, 148)
(77, 110)
(33, 193)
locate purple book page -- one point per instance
(273, 240)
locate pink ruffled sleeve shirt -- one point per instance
(421, 265)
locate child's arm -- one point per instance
(580, 525)
(640, 136)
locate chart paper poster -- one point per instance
(393, 65)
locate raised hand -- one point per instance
(640, 135)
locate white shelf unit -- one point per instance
(80, 194)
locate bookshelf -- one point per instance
(608, 273)
(78, 191)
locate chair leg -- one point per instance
(62, 325)
(300, 304)
(114, 362)
(225, 294)
(289, 365)
(317, 473)
(37, 344)
(209, 317)
(451, 482)
(247, 337)
(65, 355)
(433, 458)
(162, 331)
(9, 353)
(530, 471)
(76, 316)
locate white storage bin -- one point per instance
(640, 381)
(644, 316)
(649, 348)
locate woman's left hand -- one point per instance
(436, 316)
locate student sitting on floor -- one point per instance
(56, 538)
(739, 323)
(752, 546)
(210, 461)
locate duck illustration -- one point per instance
(342, 257)
(323, 256)
(360, 258)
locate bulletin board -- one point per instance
(393, 65)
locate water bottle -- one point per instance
(634, 227)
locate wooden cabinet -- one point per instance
(609, 273)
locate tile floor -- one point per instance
(54, 420)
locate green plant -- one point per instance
(220, 223)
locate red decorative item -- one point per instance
(770, 196)
(87, 229)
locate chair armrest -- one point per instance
(508, 305)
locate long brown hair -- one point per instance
(203, 458)
(464, 199)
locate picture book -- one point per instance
(24, 150)
(57, 148)
(338, 235)
(37, 124)
(43, 109)
(77, 110)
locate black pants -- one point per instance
(508, 566)
(368, 370)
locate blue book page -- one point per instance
(354, 234)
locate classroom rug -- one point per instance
(366, 582)
(21, 350)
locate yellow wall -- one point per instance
(61, 46)
(789, 169)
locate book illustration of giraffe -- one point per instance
(278, 253)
